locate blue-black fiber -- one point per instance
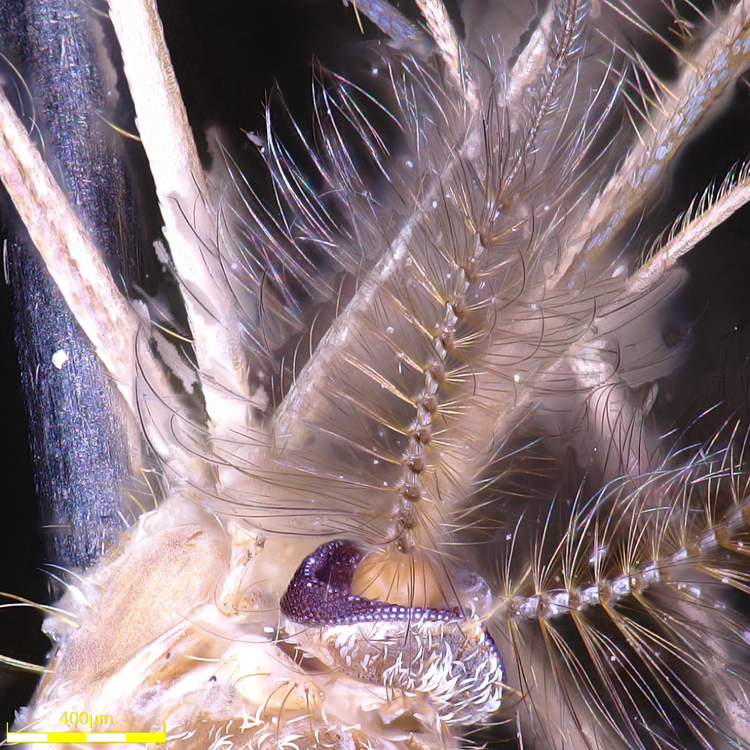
(77, 436)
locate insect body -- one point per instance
(474, 407)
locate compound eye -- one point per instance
(440, 658)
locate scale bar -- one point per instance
(86, 737)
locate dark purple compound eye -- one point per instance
(443, 656)
(319, 593)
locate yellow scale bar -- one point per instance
(87, 737)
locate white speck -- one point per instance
(597, 555)
(516, 378)
(59, 358)
(255, 139)
(409, 164)
(390, 330)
